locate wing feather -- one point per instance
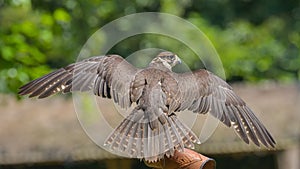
(104, 75)
(212, 94)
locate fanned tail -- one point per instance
(138, 139)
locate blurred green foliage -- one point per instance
(256, 40)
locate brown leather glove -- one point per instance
(184, 160)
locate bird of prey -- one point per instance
(152, 130)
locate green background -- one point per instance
(257, 40)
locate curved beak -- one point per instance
(178, 60)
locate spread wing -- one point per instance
(203, 92)
(107, 76)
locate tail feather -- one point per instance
(135, 137)
(188, 139)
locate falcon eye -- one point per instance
(171, 57)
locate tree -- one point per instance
(256, 40)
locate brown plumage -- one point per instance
(152, 130)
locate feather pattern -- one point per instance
(215, 96)
(106, 76)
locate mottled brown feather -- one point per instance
(104, 75)
(202, 92)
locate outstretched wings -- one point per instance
(112, 77)
(203, 92)
(107, 76)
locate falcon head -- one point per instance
(167, 59)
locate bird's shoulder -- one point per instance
(156, 74)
